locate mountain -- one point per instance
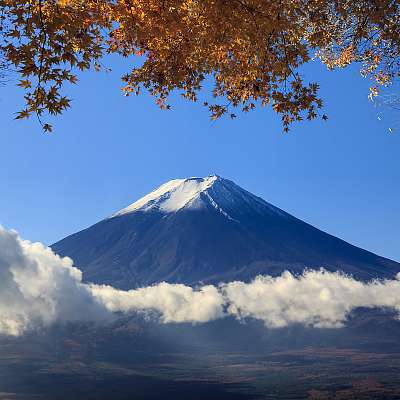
(208, 230)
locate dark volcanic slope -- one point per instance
(208, 230)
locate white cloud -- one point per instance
(174, 302)
(316, 298)
(38, 288)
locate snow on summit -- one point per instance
(172, 196)
(194, 193)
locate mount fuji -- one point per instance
(209, 230)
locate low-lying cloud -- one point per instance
(316, 298)
(39, 288)
(173, 302)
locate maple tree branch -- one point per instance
(287, 58)
(41, 60)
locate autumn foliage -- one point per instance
(251, 49)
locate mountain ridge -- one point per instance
(209, 230)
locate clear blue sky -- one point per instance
(342, 176)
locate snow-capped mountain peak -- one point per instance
(208, 230)
(194, 193)
(173, 195)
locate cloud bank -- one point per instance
(316, 298)
(39, 288)
(173, 302)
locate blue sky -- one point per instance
(342, 175)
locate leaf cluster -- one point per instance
(252, 49)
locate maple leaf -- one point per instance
(47, 128)
(25, 83)
(24, 114)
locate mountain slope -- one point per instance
(208, 230)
